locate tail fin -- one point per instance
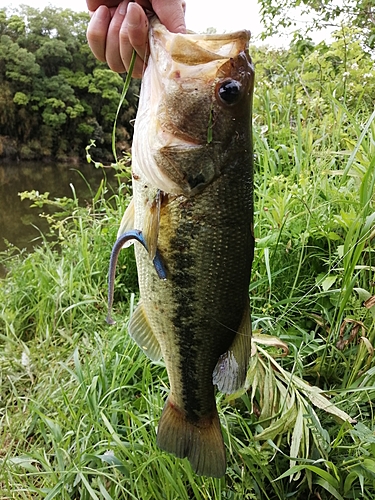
(201, 442)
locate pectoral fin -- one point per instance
(151, 223)
(230, 372)
(127, 223)
(141, 332)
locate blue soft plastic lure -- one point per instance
(137, 235)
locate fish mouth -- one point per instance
(194, 48)
(178, 141)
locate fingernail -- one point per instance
(101, 13)
(133, 17)
(122, 8)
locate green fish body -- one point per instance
(193, 204)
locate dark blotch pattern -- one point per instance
(184, 319)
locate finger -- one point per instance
(112, 51)
(170, 13)
(94, 4)
(134, 35)
(97, 31)
(137, 24)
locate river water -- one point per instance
(17, 219)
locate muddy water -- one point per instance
(17, 219)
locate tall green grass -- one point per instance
(80, 403)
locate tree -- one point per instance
(320, 14)
(54, 95)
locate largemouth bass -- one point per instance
(192, 215)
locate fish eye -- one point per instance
(229, 91)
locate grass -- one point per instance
(80, 403)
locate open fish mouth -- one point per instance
(194, 49)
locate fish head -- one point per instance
(195, 107)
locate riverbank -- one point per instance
(21, 225)
(13, 151)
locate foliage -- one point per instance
(80, 402)
(52, 87)
(319, 14)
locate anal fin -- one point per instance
(141, 332)
(201, 442)
(230, 372)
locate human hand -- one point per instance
(117, 27)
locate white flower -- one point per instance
(345, 74)
(354, 66)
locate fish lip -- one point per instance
(178, 141)
(183, 146)
(222, 46)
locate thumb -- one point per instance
(171, 13)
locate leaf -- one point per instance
(370, 302)
(328, 282)
(270, 341)
(363, 294)
(363, 433)
(327, 486)
(354, 330)
(368, 345)
(24, 462)
(333, 236)
(88, 487)
(110, 459)
(312, 392)
(103, 491)
(279, 426)
(113, 460)
(267, 241)
(316, 397)
(323, 443)
(255, 379)
(326, 476)
(297, 434)
(349, 480)
(369, 464)
(268, 395)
